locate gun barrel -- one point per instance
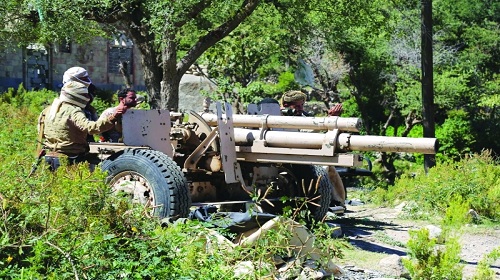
(343, 143)
(290, 122)
(387, 144)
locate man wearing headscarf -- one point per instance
(292, 103)
(79, 74)
(66, 126)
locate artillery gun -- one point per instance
(171, 161)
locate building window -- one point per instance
(117, 56)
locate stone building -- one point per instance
(38, 67)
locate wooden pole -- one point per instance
(427, 78)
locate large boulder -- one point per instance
(190, 92)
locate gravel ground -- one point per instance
(354, 273)
(380, 230)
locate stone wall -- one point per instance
(11, 69)
(100, 57)
(94, 56)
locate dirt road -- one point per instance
(382, 232)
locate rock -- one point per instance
(242, 269)
(434, 231)
(475, 216)
(393, 265)
(353, 273)
(311, 272)
(355, 202)
(290, 269)
(337, 230)
(245, 268)
(216, 241)
(190, 92)
(401, 206)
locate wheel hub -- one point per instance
(134, 185)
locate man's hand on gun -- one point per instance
(336, 110)
(121, 109)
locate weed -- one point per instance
(430, 261)
(473, 183)
(456, 214)
(484, 272)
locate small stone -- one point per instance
(393, 265)
(337, 230)
(475, 216)
(355, 202)
(244, 268)
(434, 231)
(401, 206)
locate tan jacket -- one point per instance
(67, 132)
(114, 134)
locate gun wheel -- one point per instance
(313, 184)
(150, 178)
(282, 189)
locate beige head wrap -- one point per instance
(72, 92)
(77, 74)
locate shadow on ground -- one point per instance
(361, 233)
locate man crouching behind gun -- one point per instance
(66, 126)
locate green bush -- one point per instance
(17, 131)
(61, 225)
(31, 100)
(475, 180)
(455, 135)
(429, 261)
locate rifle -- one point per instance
(34, 166)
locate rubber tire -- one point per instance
(168, 185)
(287, 191)
(306, 173)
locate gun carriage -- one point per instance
(170, 161)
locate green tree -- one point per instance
(385, 68)
(170, 35)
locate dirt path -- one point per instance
(381, 231)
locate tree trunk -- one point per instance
(170, 94)
(152, 77)
(150, 62)
(359, 101)
(171, 75)
(162, 71)
(427, 79)
(387, 162)
(123, 67)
